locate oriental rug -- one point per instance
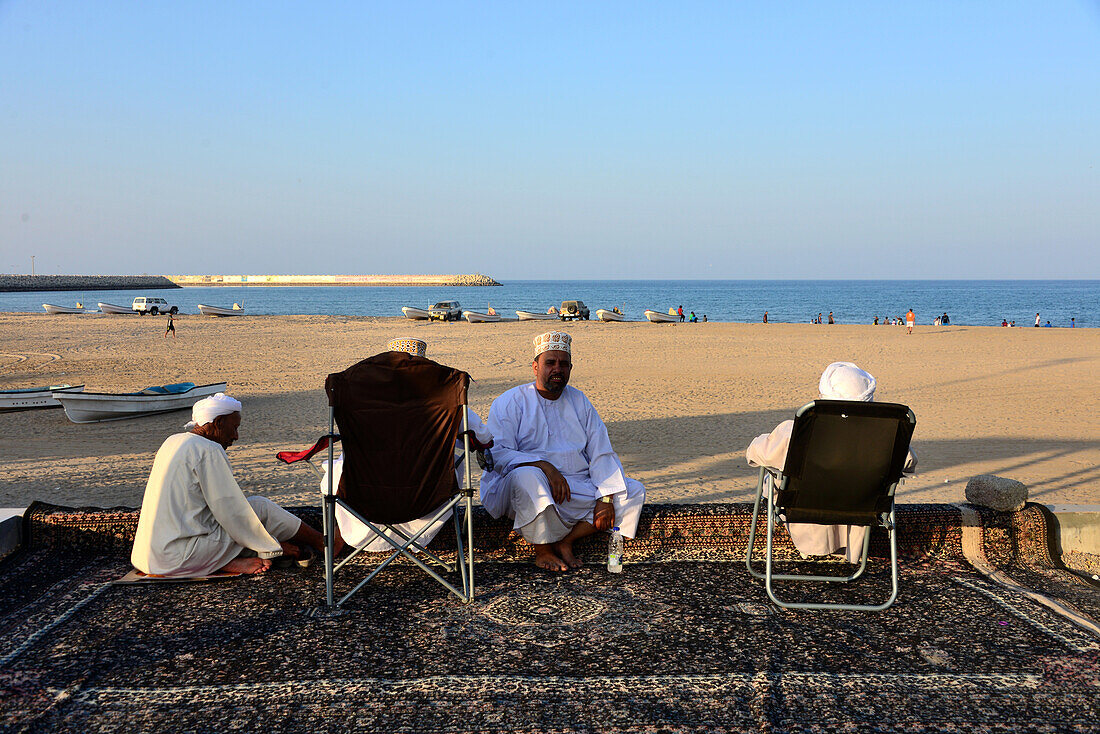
(683, 640)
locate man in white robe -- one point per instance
(194, 518)
(556, 474)
(839, 381)
(355, 533)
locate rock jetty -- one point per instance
(13, 283)
(477, 279)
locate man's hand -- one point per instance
(603, 517)
(290, 550)
(559, 488)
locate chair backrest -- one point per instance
(844, 461)
(398, 416)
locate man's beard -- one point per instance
(556, 383)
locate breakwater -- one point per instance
(476, 279)
(24, 283)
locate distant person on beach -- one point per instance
(819, 317)
(1073, 322)
(1047, 323)
(556, 475)
(765, 317)
(680, 313)
(195, 520)
(491, 311)
(170, 328)
(945, 320)
(1012, 323)
(875, 322)
(910, 320)
(831, 321)
(1036, 319)
(704, 318)
(693, 318)
(839, 381)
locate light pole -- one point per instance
(32, 264)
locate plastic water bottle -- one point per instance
(615, 552)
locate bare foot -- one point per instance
(545, 558)
(247, 565)
(565, 550)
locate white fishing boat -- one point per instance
(658, 317)
(414, 313)
(30, 398)
(237, 310)
(52, 308)
(532, 316)
(476, 317)
(92, 407)
(115, 310)
(605, 315)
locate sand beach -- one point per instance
(682, 401)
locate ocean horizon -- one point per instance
(967, 302)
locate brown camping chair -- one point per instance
(398, 416)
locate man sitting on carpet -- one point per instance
(839, 381)
(194, 518)
(556, 474)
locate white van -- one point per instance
(154, 306)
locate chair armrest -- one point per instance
(292, 457)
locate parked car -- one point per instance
(154, 306)
(445, 311)
(573, 310)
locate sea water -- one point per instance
(967, 302)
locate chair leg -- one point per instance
(891, 530)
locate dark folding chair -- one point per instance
(843, 466)
(399, 416)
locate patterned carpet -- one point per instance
(990, 633)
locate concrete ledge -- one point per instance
(11, 528)
(1078, 527)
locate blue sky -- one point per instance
(552, 140)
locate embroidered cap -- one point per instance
(417, 347)
(556, 341)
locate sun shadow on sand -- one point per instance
(689, 458)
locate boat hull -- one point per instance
(476, 317)
(604, 315)
(54, 309)
(414, 313)
(33, 398)
(96, 407)
(532, 316)
(219, 311)
(115, 310)
(660, 318)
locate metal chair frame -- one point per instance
(886, 520)
(464, 559)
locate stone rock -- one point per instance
(996, 493)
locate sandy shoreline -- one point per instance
(681, 401)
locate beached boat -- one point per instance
(414, 313)
(660, 318)
(115, 310)
(604, 315)
(532, 316)
(237, 310)
(92, 407)
(52, 308)
(30, 398)
(476, 317)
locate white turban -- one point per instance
(207, 409)
(845, 381)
